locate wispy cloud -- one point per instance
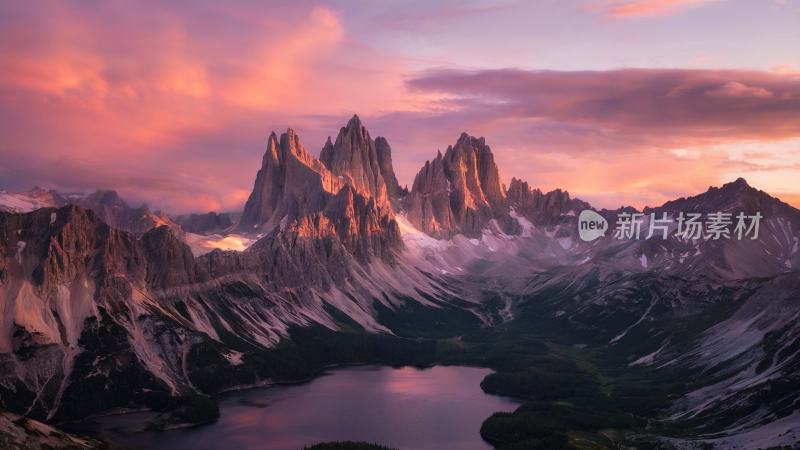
(664, 103)
(630, 135)
(647, 8)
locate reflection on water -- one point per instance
(440, 408)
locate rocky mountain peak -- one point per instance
(354, 122)
(458, 192)
(542, 208)
(107, 197)
(519, 192)
(271, 153)
(740, 182)
(365, 163)
(327, 150)
(346, 186)
(384, 152)
(733, 196)
(473, 172)
(735, 187)
(290, 183)
(292, 148)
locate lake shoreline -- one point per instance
(233, 402)
(268, 383)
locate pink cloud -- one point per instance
(740, 90)
(171, 105)
(622, 136)
(648, 8)
(670, 106)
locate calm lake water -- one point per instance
(440, 408)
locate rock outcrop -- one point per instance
(459, 192)
(364, 163)
(290, 184)
(384, 152)
(346, 187)
(293, 186)
(542, 208)
(428, 204)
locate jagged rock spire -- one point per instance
(365, 163)
(387, 170)
(294, 190)
(542, 208)
(458, 192)
(290, 182)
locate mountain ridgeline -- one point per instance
(105, 307)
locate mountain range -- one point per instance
(108, 307)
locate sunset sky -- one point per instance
(617, 101)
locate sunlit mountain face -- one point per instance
(560, 225)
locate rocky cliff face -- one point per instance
(290, 184)
(384, 151)
(62, 269)
(459, 192)
(90, 308)
(293, 186)
(364, 163)
(542, 208)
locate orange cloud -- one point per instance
(283, 68)
(172, 105)
(737, 89)
(648, 8)
(166, 94)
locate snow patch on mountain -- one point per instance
(416, 239)
(640, 320)
(649, 358)
(524, 223)
(22, 202)
(784, 431)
